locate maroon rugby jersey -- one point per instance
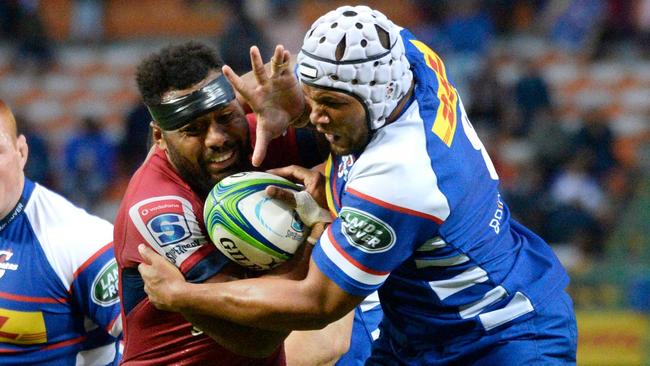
(160, 209)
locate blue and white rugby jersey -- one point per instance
(420, 218)
(58, 284)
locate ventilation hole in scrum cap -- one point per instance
(364, 43)
(334, 77)
(384, 37)
(372, 83)
(376, 64)
(349, 13)
(340, 49)
(359, 25)
(390, 62)
(311, 32)
(355, 81)
(322, 39)
(334, 25)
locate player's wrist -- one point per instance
(302, 120)
(178, 296)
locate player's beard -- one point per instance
(196, 174)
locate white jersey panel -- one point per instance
(395, 152)
(53, 218)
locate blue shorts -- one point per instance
(365, 330)
(547, 338)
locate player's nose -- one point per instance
(216, 136)
(318, 116)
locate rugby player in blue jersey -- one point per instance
(419, 216)
(58, 278)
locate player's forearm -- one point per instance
(243, 340)
(260, 303)
(319, 347)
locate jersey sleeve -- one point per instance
(94, 288)
(79, 248)
(169, 225)
(367, 241)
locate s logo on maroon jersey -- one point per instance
(165, 221)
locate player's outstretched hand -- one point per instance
(276, 98)
(161, 279)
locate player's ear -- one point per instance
(23, 150)
(157, 135)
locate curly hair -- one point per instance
(175, 67)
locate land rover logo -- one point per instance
(365, 231)
(105, 285)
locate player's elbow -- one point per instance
(327, 314)
(340, 345)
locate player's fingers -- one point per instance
(237, 83)
(286, 59)
(262, 140)
(294, 173)
(277, 61)
(258, 66)
(316, 231)
(282, 194)
(148, 255)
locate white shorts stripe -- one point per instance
(518, 306)
(441, 262)
(450, 286)
(475, 308)
(432, 244)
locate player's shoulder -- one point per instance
(57, 221)
(69, 237)
(395, 168)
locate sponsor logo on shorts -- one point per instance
(104, 289)
(365, 231)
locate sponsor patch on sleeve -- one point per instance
(164, 220)
(169, 225)
(365, 231)
(104, 288)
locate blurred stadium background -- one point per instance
(559, 90)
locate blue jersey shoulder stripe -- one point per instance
(392, 207)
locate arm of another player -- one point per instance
(276, 98)
(266, 303)
(319, 347)
(260, 343)
(243, 340)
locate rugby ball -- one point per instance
(249, 227)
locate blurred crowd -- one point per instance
(565, 160)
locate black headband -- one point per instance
(178, 112)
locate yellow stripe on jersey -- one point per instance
(446, 119)
(22, 327)
(328, 187)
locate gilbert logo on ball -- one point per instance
(248, 226)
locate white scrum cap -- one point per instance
(357, 50)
